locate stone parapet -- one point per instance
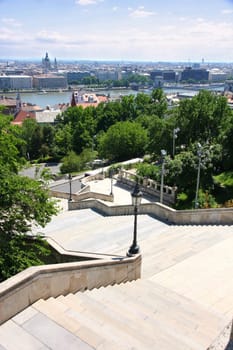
(219, 216)
(42, 282)
(82, 196)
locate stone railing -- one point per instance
(42, 282)
(148, 186)
(98, 176)
(221, 216)
(77, 197)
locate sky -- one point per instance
(125, 30)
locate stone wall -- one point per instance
(220, 216)
(82, 196)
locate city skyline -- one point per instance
(111, 30)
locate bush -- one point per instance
(148, 170)
(19, 252)
(71, 163)
(206, 200)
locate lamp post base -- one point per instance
(133, 250)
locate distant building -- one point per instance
(48, 116)
(104, 75)
(15, 82)
(49, 81)
(168, 76)
(73, 77)
(195, 75)
(46, 65)
(86, 100)
(21, 116)
(217, 75)
(156, 73)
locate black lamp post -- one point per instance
(136, 201)
(199, 154)
(163, 155)
(111, 177)
(70, 182)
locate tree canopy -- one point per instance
(23, 201)
(122, 141)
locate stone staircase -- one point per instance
(135, 315)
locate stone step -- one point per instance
(81, 325)
(13, 336)
(138, 333)
(37, 331)
(180, 317)
(148, 292)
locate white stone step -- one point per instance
(60, 311)
(36, 331)
(135, 331)
(13, 336)
(180, 317)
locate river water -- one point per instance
(54, 98)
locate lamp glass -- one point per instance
(136, 196)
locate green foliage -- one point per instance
(225, 138)
(122, 141)
(24, 202)
(63, 140)
(206, 200)
(10, 143)
(38, 140)
(160, 132)
(20, 252)
(158, 103)
(74, 163)
(71, 163)
(149, 170)
(182, 201)
(225, 178)
(206, 118)
(202, 117)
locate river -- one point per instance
(54, 98)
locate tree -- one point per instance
(123, 140)
(159, 103)
(24, 202)
(71, 163)
(160, 132)
(202, 117)
(225, 138)
(63, 140)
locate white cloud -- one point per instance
(140, 12)
(88, 2)
(115, 8)
(227, 12)
(46, 36)
(11, 22)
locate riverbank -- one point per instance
(54, 97)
